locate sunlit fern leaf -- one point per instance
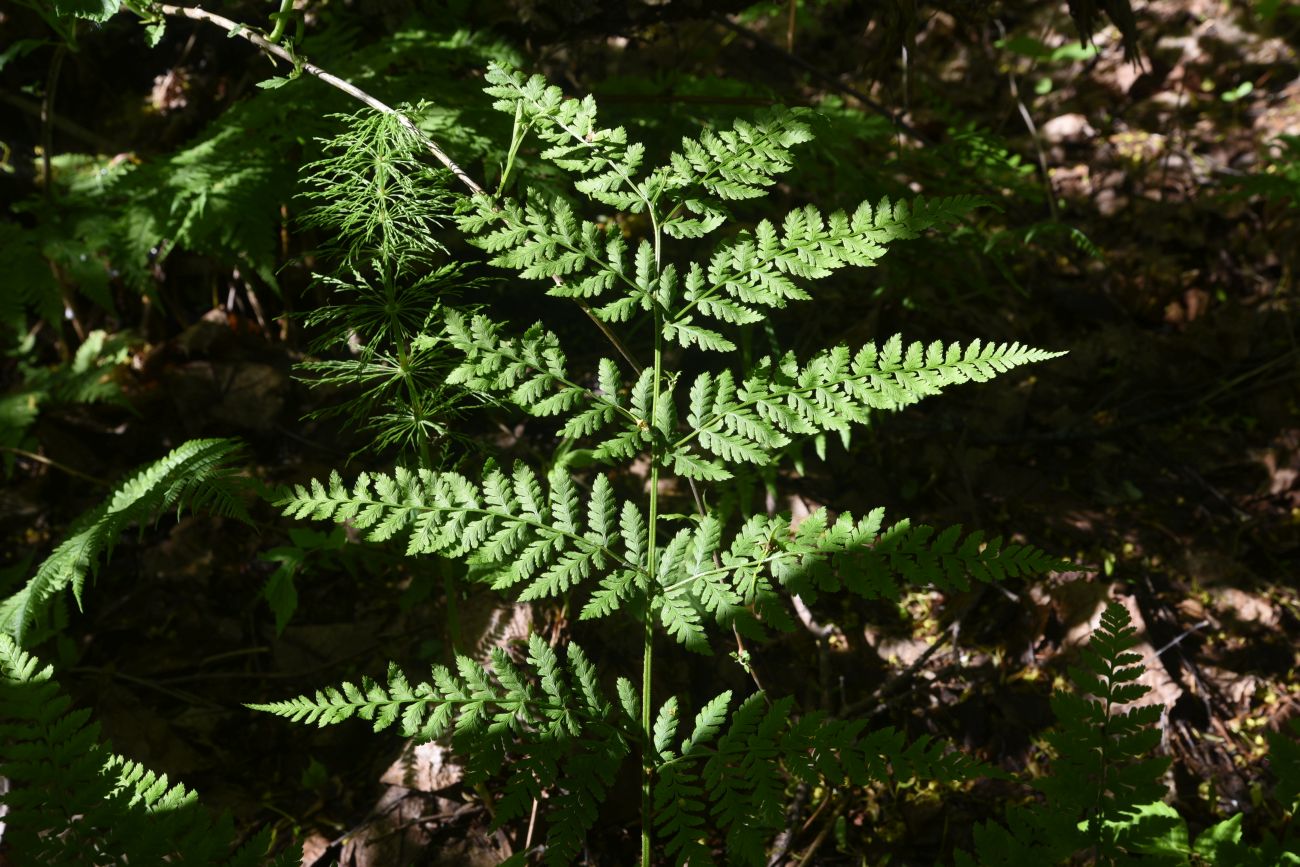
(566, 739)
(196, 474)
(833, 391)
(738, 163)
(759, 270)
(603, 157)
(72, 802)
(529, 534)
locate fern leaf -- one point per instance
(562, 736)
(194, 474)
(757, 270)
(72, 802)
(1104, 779)
(739, 163)
(527, 532)
(831, 392)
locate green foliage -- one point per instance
(194, 475)
(1103, 796)
(381, 207)
(73, 802)
(739, 775)
(570, 536)
(375, 195)
(550, 729)
(91, 377)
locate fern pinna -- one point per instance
(71, 801)
(717, 784)
(196, 474)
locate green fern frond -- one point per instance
(1105, 767)
(72, 802)
(758, 270)
(739, 163)
(193, 475)
(1104, 776)
(550, 730)
(577, 143)
(511, 524)
(738, 773)
(819, 556)
(832, 391)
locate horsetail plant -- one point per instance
(547, 723)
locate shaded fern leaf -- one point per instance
(550, 730)
(1105, 773)
(523, 531)
(194, 475)
(72, 802)
(735, 776)
(737, 585)
(1105, 767)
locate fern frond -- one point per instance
(551, 730)
(739, 163)
(72, 802)
(522, 531)
(757, 270)
(577, 143)
(1104, 776)
(831, 392)
(194, 474)
(1104, 768)
(531, 372)
(820, 556)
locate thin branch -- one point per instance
(244, 32)
(42, 459)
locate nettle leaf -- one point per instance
(92, 10)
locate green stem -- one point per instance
(281, 21)
(647, 647)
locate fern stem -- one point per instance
(647, 639)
